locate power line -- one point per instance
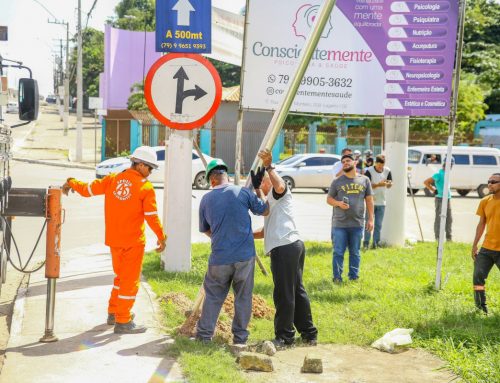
(44, 7)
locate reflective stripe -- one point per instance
(150, 213)
(116, 287)
(130, 297)
(479, 288)
(90, 190)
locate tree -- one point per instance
(493, 102)
(135, 15)
(229, 74)
(136, 100)
(93, 62)
(481, 54)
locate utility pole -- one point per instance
(66, 76)
(79, 89)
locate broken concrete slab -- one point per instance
(255, 362)
(312, 364)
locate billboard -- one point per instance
(375, 57)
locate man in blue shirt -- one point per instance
(436, 185)
(224, 218)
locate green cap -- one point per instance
(215, 164)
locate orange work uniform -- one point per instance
(129, 200)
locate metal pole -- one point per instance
(66, 84)
(52, 258)
(49, 336)
(79, 89)
(415, 207)
(95, 137)
(239, 125)
(453, 123)
(280, 115)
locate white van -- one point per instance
(473, 166)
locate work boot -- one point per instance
(281, 344)
(112, 320)
(480, 299)
(129, 328)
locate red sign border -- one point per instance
(149, 99)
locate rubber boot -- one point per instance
(129, 328)
(480, 299)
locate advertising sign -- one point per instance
(184, 26)
(375, 57)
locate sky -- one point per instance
(34, 41)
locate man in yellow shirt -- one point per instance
(489, 254)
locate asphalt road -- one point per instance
(84, 225)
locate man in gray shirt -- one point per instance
(348, 195)
(282, 241)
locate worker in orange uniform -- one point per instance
(129, 200)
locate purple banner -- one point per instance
(415, 43)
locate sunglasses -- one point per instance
(492, 182)
(149, 167)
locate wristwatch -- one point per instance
(270, 167)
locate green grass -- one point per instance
(395, 290)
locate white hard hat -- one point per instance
(357, 153)
(145, 154)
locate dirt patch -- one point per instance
(353, 364)
(260, 309)
(181, 301)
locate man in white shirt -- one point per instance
(282, 241)
(381, 179)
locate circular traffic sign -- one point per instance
(183, 91)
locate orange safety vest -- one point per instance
(129, 200)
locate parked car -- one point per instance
(119, 164)
(12, 107)
(473, 166)
(51, 99)
(308, 170)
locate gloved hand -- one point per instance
(257, 177)
(66, 187)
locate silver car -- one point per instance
(308, 170)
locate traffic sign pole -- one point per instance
(177, 200)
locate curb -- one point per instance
(58, 164)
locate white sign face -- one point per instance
(183, 92)
(95, 103)
(375, 57)
(101, 112)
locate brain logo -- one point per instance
(304, 20)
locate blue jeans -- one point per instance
(343, 238)
(379, 212)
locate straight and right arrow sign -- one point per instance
(197, 92)
(183, 91)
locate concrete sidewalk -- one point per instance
(87, 350)
(46, 141)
